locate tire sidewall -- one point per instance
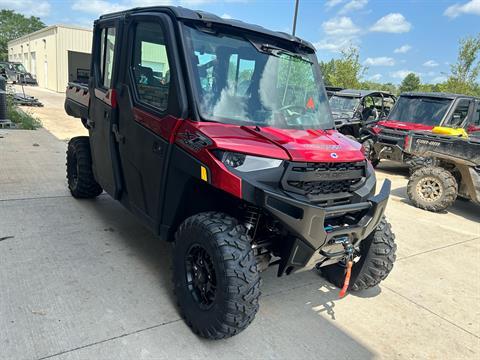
(442, 177)
(192, 311)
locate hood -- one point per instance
(401, 125)
(287, 144)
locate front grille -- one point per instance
(324, 187)
(320, 167)
(321, 179)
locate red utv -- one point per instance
(218, 135)
(421, 111)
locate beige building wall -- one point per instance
(44, 53)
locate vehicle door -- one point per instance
(462, 109)
(102, 107)
(151, 103)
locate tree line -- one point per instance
(348, 72)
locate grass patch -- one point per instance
(22, 119)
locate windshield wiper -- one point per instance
(277, 51)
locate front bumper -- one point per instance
(309, 225)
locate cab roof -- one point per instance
(439, 95)
(182, 13)
(360, 93)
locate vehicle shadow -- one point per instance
(325, 297)
(392, 168)
(136, 240)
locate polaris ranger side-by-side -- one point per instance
(218, 135)
(422, 112)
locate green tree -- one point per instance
(14, 25)
(371, 85)
(345, 72)
(410, 83)
(464, 73)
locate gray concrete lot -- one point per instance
(85, 280)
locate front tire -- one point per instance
(215, 274)
(81, 182)
(370, 152)
(377, 256)
(417, 162)
(432, 188)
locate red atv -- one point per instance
(420, 112)
(218, 135)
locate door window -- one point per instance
(150, 67)
(460, 113)
(107, 52)
(473, 127)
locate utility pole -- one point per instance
(295, 17)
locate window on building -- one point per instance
(150, 66)
(107, 52)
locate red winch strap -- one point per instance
(347, 279)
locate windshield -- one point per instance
(420, 110)
(20, 68)
(343, 103)
(243, 81)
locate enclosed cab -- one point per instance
(218, 135)
(422, 111)
(354, 110)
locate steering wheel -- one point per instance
(292, 106)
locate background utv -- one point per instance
(218, 135)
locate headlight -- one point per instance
(245, 163)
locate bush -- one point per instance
(21, 118)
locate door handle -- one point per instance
(119, 137)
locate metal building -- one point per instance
(54, 55)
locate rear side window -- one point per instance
(476, 116)
(240, 72)
(150, 67)
(460, 113)
(107, 52)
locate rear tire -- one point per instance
(432, 188)
(376, 261)
(81, 182)
(215, 275)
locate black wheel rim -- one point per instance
(201, 279)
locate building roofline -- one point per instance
(48, 28)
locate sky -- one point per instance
(394, 37)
